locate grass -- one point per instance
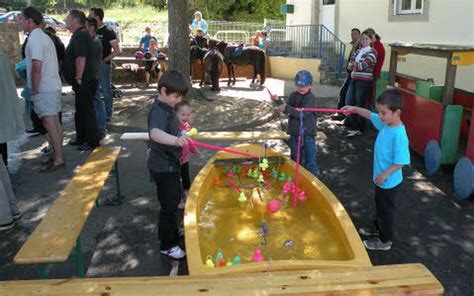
(133, 21)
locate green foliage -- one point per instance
(237, 10)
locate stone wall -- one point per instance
(10, 43)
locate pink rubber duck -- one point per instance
(302, 196)
(286, 187)
(257, 255)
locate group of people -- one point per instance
(363, 68)
(85, 64)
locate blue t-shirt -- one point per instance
(391, 148)
(146, 41)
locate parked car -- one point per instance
(59, 26)
(11, 17)
(115, 25)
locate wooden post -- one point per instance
(178, 28)
(449, 81)
(393, 67)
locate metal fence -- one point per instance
(307, 41)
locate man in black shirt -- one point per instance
(80, 70)
(111, 48)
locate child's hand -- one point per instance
(381, 179)
(349, 110)
(181, 141)
(282, 107)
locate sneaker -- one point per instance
(182, 204)
(175, 252)
(367, 231)
(74, 142)
(352, 134)
(16, 216)
(7, 226)
(377, 245)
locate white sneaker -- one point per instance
(351, 134)
(175, 252)
(7, 226)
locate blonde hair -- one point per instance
(198, 13)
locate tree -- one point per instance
(178, 28)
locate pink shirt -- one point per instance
(186, 148)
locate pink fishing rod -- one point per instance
(233, 185)
(322, 110)
(217, 148)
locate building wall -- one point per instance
(306, 12)
(287, 67)
(446, 22)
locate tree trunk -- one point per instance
(178, 28)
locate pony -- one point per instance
(196, 53)
(213, 64)
(240, 55)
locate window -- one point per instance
(329, 2)
(408, 7)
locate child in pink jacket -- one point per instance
(183, 112)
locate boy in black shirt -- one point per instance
(164, 159)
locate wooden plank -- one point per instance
(234, 136)
(54, 238)
(450, 78)
(393, 67)
(386, 280)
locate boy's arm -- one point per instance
(361, 111)
(164, 138)
(380, 179)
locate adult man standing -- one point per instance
(111, 48)
(355, 35)
(81, 72)
(45, 85)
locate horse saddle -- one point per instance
(238, 50)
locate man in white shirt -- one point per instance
(44, 83)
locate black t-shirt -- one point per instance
(96, 56)
(58, 44)
(105, 34)
(163, 158)
(80, 45)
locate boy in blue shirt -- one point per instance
(302, 98)
(391, 153)
(164, 158)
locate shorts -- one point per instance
(47, 103)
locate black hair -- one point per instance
(392, 98)
(181, 104)
(98, 12)
(50, 30)
(90, 21)
(32, 14)
(264, 33)
(355, 29)
(78, 15)
(174, 82)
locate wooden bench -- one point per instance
(59, 231)
(233, 136)
(376, 280)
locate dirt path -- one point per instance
(433, 227)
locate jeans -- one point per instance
(358, 95)
(104, 90)
(308, 153)
(168, 188)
